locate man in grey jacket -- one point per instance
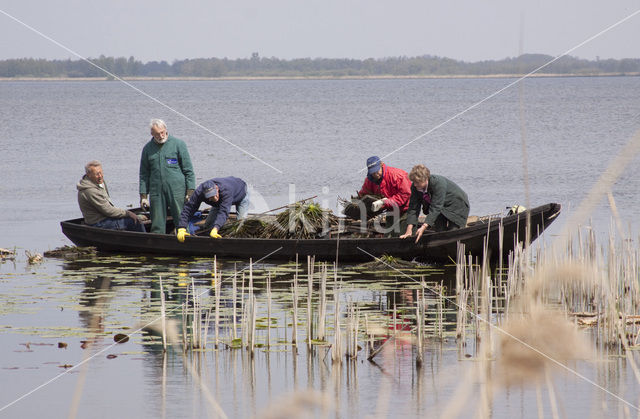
(96, 206)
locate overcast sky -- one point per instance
(469, 30)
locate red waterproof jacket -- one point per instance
(395, 186)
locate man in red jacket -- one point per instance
(392, 183)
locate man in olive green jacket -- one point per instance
(166, 176)
(444, 203)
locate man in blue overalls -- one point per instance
(221, 193)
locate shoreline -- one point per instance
(378, 77)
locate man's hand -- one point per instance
(188, 195)
(214, 233)
(144, 201)
(408, 233)
(377, 205)
(182, 233)
(134, 217)
(421, 230)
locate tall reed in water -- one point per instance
(352, 332)
(268, 309)
(310, 265)
(336, 347)
(294, 322)
(163, 314)
(234, 297)
(420, 307)
(322, 309)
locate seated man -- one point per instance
(220, 193)
(96, 206)
(444, 203)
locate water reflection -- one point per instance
(118, 294)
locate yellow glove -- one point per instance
(214, 233)
(182, 233)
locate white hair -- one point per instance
(155, 122)
(92, 163)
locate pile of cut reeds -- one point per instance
(249, 227)
(301, 221)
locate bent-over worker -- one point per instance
(221, 194)
(96, 206)
(391, 183)
(444, 203)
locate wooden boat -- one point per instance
(433, 247)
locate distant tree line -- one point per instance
(257, 66)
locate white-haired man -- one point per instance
(96, 206)
(167, 179)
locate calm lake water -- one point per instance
(314, 136)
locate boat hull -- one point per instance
(433, 247)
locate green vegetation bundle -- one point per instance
(301, 221)
(249, 227)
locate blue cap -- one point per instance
(373, 164)
(212, 191)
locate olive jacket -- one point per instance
(95, 203)
(443, 197)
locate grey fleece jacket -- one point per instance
(95, 203)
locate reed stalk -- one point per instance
(460, 267)
(163, 315)
(336, 347)
(368, 334)
(268, 310)
(352, 332)
(420, 327)
(252, 325)
(185, 321)
(205, 334)
(294, 322)
(234, 297)
(243, 309)
(322, 310)
(310, 265)
(440, 308)
(217, 289)
(195, 319)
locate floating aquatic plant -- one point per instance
(33, 258)
(70, 251)
(6, 254)
(386, 262)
